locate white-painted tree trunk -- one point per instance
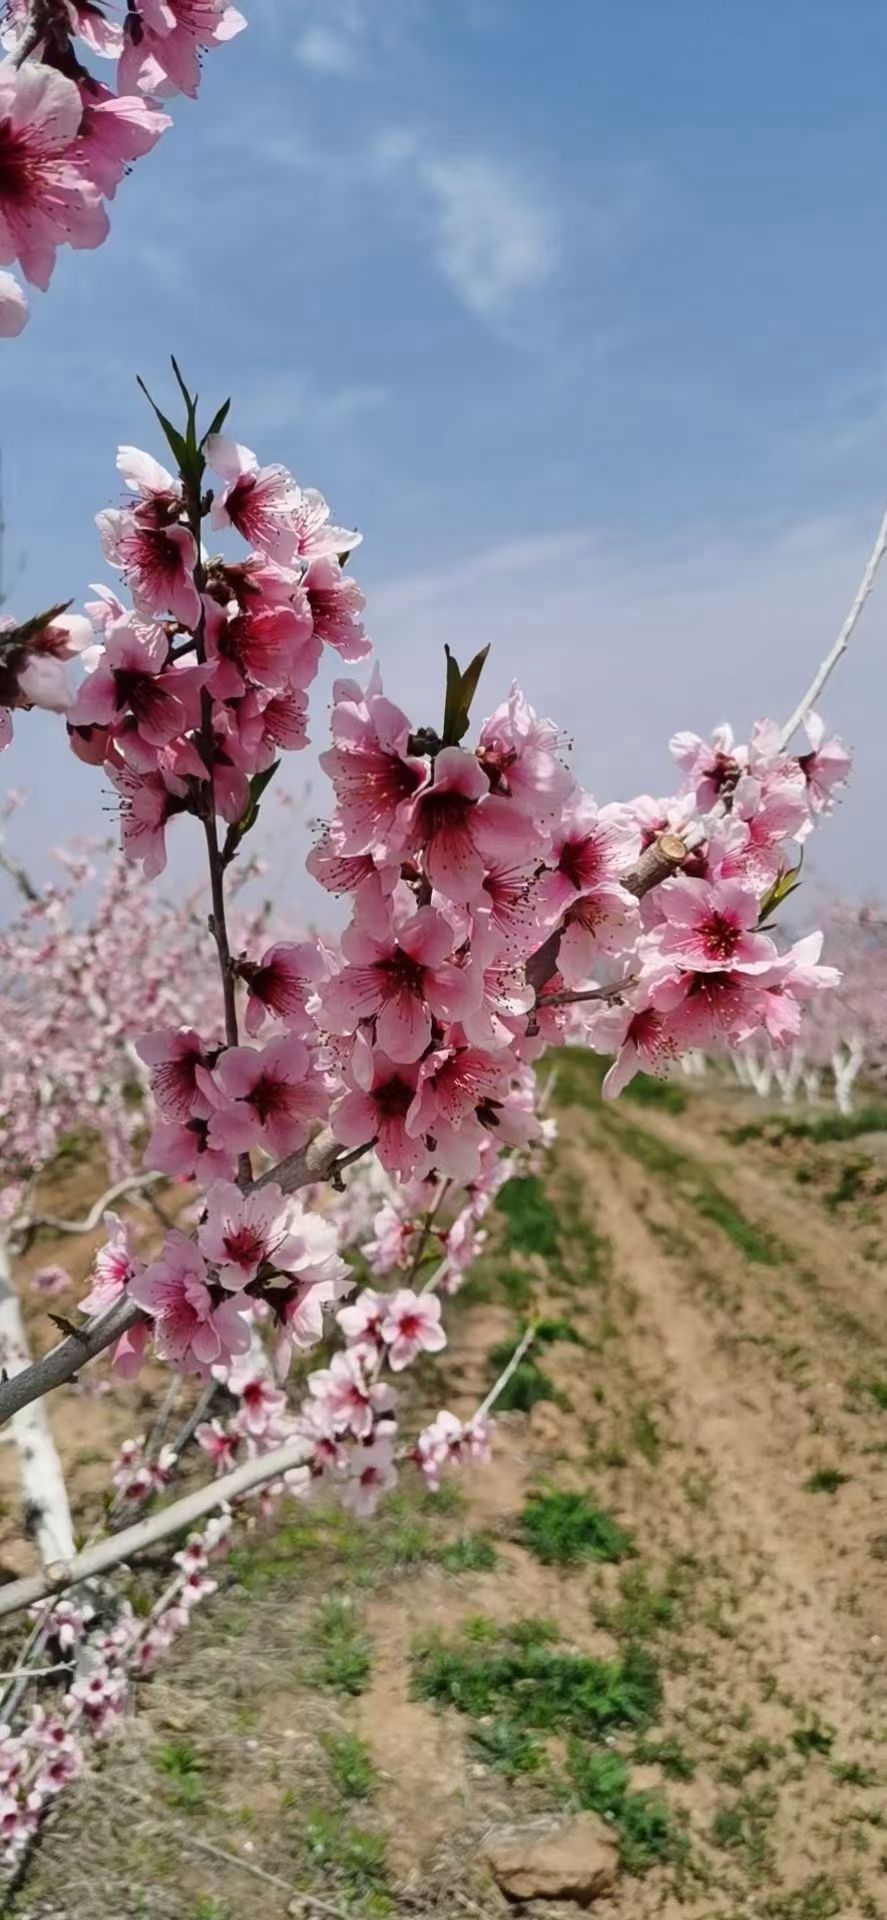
(44, 1495)
(846, 1065)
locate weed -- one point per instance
(643, 1608)
(183, 1768)
(528, 1384)
(743, 1827)
(548, 1331)
(664, 1094)
(351, 1767)
(351, 1855)
(851, 1773)
(643, 1824)
(531, 1223)
(208, 1908)
(471, 1553)
(508, 1748)
(669, 1754)
(878, 1391)
(817, 1899)
(521, 1677)
(826, 1480)
(849, 1186)
(815, 1738)
(645, 1435)
(344, 1659)
(564, 1528)
(872, 1118)
(755, 1757)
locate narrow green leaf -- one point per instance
(217, 423)
(785, 884)
(177, 444)
(190, 407)
(470, 679)
(461, 689)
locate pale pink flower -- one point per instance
(189, 1330)
(412, 1326)
(350, 1399)
(281, 982)
(640, 1037)
(261, 1404)
(147, 802)
(273, 647)
(592, 849)
(711, 927)
(401, 983)
(262, 503)
(132, 678)
(371, 1473)
(519, 753)
(392, 1243)
(361, 1321)
(220, 1443)
(183, 1150)
(114, 1266)
(826, 766)
(51, 1281)
(711, 768)
(164, 40)
(241, 1231)
(462, 828)
(174, 1055)
(263, 1097)
(336, 604)
(157, 563)
(13, 307)
(113, 133)
(44, 201)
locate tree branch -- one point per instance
(182, 1514)
(827, 666)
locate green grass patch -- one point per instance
(528, 1384)
(562, 1529)
(471, 1553)
(531, 1222)
(342, 1655)
(667, 1095)
(517, 1674)
(815, 1738)
(183, 1769)
(645, 1607)
(645, 1435)
(669, 1754)
(645, 1828)
(350, 1856)
(877, 1390)
(826, 1480)
(684, 1172)
(351, 1769)
(870, 1118)
(507, 1748)
(817, 1899)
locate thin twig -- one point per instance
(310, 1902)
(500, 1384)
(111, 1551)
(571, 998)
(134, 1184)
(827, 666)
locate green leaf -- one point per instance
(190, 407)
(177, 444)
(217, 422)
(785, 884)
(248, 818)
(461, 689)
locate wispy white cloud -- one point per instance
(341, 38)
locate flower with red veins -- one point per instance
(129, 1353)
(401, 983)
(339, 872)
(711, 927)
(274, 647)
(261, 503)
(263, 1097)
(240, 1232)
(317, 540)
(113, 133)
(262, 724)
(114, 1266)
(441, 1445)
(174, 1055)
(189, 1329)
(371, 1473)
(411, 1326)
(511, 895)
(157, 560)
(336, 604)
(462, 828)
(160, 492)
(370, 767)
(795, 978)
(163, 41)
(14, 310)
(457, 1085)
(707, 1009)
(592, 849)
(825, 766)
(311, 1276)
(711, 768)
(598, 923)
(376, 1108)
(44, 200)
(639, 1035)
(361, 1322)
(133, 679)
(519, 753)
(147, 802)
(350, 1399)
(183, 1150)
(281, 982)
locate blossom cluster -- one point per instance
(99, 1657)
(66, 138)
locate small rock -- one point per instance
(578, 1862)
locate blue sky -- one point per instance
(576, 310)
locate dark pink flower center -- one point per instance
(270, 1098)
(19, 166)
(581, 862)
(244, 1246)
(393, 1099)
(720, 936)
(401, 974)
(409, 1326)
